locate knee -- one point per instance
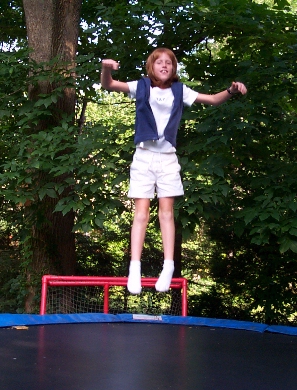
(141, 217)
(166, 215)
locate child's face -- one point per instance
(163, 68)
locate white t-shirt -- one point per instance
(161, 102)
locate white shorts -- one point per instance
(152, 172)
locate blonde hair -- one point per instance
(150, 63)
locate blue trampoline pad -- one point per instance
(144, 355)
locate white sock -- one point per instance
(134, 278)
(164, 281)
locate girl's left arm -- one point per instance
(221, 97)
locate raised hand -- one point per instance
(238, 87)
(111, 64)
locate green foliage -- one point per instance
(12, 23)
(42, 151)
(9, 267)
(246, 149)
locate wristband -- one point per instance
(229, 91)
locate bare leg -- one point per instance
(166, 218)
(140, 221)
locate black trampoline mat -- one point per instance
(141, 356)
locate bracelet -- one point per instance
(229, 91)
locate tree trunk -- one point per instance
(52, 30)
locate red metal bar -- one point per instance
(103, 279)
(106, 299)
(106, 281)
(184, 298)
(43, 295)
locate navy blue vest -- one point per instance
(145, 124)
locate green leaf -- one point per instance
(287, 244)
(249, 216)
(293, 231)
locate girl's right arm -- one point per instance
(107, 81)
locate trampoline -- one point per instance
(128, 352)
